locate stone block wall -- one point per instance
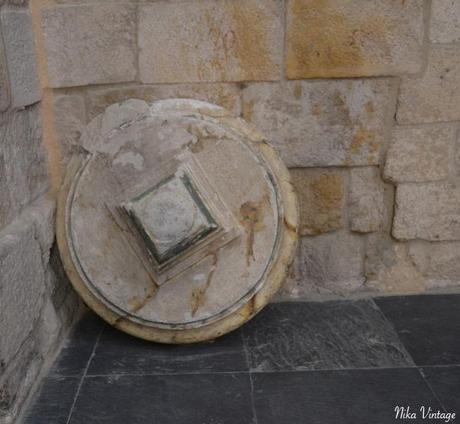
(36, 304)
(361, 99)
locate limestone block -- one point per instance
(90, 44)
(389, 268)
(439, 262)
(320, 194)
(20, 52)
(23, 168)
(69, 121)
(22, 285)
(428, 211)
(228, 40)
(225, 95)
(366, 200)
(4, 83)
(325, 123)
(445, 21)
(420, 154)
(435, 95)
(327, 264)
(345, 39)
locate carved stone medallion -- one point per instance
(178, 222)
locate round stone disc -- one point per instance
(177, 222)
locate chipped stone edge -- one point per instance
(275, 278)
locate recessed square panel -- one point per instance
(170, 217)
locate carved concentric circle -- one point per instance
(189, 241)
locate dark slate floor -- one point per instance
(335, 362)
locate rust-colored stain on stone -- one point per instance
(324, 41)
(248, 110)
(252, 219)
(363, 139)
(320, 197)
(199, 293)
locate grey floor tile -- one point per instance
(445, 381)
(75, 355)
(172, 399)
(52, 403)
(428, 325)
(340, 397)
(119, 353)
(330, 335)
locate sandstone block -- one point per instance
(321, 196)
(445, 21)
(209, 40)
(23, 168)
(428, 211)
(366, 200)
(344, 39)
(321, 123)
(69, 121)
(435, 95)
(20, 53)
(326, 264)
(226, 95)
(439, 262)
(90, 44)
(420, 154)
(388, 266)
(22, 285)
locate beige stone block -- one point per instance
(333, 39)
(389, 268)
(321, 123)
(209, 40)
(69, 121)
(428, 211)
(366, 207)
(439, 262)
(225, 95)
(445, 21)
(21, 285)
(328, 264)
(90, 44)
(23, 165)
(320, 194)
(420, 154)
(20, 53)
(435, 95)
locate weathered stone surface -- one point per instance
(428, 211)
(344, 39)
(20, 52)
(23, 169)
(327, 264)
(225, 95)
(435, 95)
(69, 121)
(21, 285)
(388, 267)
(445, 21)
(229, 40)
(163, 187)
(321, 196)
(438, 262)
(366, 200)
(90, 44)
(321, 123)
(4, 83)
(420, 154)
